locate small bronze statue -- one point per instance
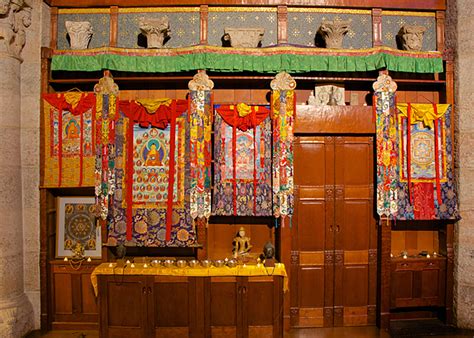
(268, 255)
(241, 244)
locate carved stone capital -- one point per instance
(15, 17)
(201, 81)
(80, 33)
(283, 81)
(411, 37)
(244, 37)
(333, 32)
(107, 86)
(385, 83)
(155, 30)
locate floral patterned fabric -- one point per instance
(242, 170)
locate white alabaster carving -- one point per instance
(80, 33)
(201, 81)
(411, 37)
(283, 81)
(385, 83)
(15, 17)
(333, 32)
(244, 37)
(155, 30)
(324, 95)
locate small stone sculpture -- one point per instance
(80, 33)
(244, 37)
(333, 32)
(155, 30)
(328, 95)
(15, 17)
(241, 244)
(410, 37)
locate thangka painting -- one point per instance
(416, 148)
(152, 182)
(69, 145)
(77, 228)
(242, 156)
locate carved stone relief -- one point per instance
(410, 37)
(244, 37)
(333, 32)
(80, 33)
(327, 95)
(155, 30)
(15, 17)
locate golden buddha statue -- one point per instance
(241, 244)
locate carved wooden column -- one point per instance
(376, 27)
(16, 312)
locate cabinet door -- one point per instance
(73, 300)
(355, 279)
(262, 306)
(223, 307)
(312, 272)
(123, 305)
(172, 307)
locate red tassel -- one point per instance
(409, 154)
(234, 159)
(129, 196)
(436, 130)
(171, 163)
(60, 145)
(81, 150)
(254, 164)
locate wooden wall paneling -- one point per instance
(204, 24)
(282, 14)
(399, 4)
(377, 27)
(224, 303)
(384, 273)
(287, 235)
(440, 23)
(113, 26)
(54, 28)
(449, 273)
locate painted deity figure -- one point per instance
(241, 244)
(153, 156)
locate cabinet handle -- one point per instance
(430, 264)
(405, 264)
(244, 290)
(144, 290)
(149, 290)
(338, 228)
(330, 228)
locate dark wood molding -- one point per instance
(440, 23)
(395, 4)
(282, 24)
(54, 28)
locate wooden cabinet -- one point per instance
(334, 237)
(418, 282)
(73, 303)
(169, 306)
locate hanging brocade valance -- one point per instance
(283, 112)
(414, 160)
(149, 206)
(242, 156)
(69, 139)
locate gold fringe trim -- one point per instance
(243, 9)
(329, 10)
(84, 11)
(158, 9)
(403, 13)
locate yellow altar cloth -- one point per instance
(140, 270)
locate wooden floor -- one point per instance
(340, 332)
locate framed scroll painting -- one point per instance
(77, 225)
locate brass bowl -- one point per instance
(168, 263)
(156, 262)
(193, 263)
(205, 263)
(219, 263)
(181, 263)
(231, 263)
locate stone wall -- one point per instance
(459, 36)
(38, 35)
